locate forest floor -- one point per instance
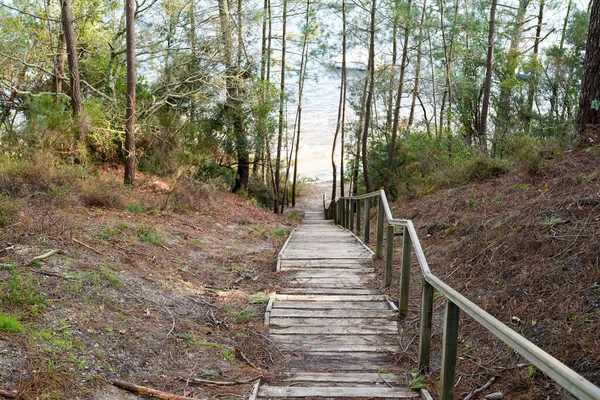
(172, 300)
(526, 248)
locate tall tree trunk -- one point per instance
(506, 85)
(302, 77)
(281, 110)
(534, 74)
(433, 85)
(75, 82)
(588, 119)
(130, 156)
(340, 122)
(344, 84)
(392, 151)
(259, 147)
(487, 85)
(59, 67)
(368, 103)
(356, 164)
(390, 109)
(554, 83)
(415, 91)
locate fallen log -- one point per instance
(133, 388)
(42, 257)
(8, 394)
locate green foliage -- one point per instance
(258, 190)
(8, 211)
(258, 298)
(9, 323)
(100, 278)
(417, 383)
(147, 233)
(227, 355)
(242, 316)
(135, 208)
(552, 222)
(22, 290)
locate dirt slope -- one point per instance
(156, 298)
(526, 248)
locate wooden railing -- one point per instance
(353, 213)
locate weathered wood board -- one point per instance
(334, 329)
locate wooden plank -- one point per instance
(331, 305)
(335, 330)
(349, 378)
(328, 291)
(336, 348)
(333, 272)
(284, 321)
(329, 298)
(336, 392)
(350, 278)
(327, 263)
(329, 314)
(387, 339)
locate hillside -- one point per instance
(525, 247)
(156, 298)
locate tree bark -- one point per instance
(588, 119)
(281, 111)
(487, 85)
(344, 80)
(368, 103)
(75, 85)
(340, 121)
(59, 70)
(392, 151)
(534, 74)
(554, 83)
(130, 156)
(415, 91)
(302, 77)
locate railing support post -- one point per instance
(347, 213)
(343, 213)
(380, 212)
(389, 255)
(352, 205)
(358, 207)
(425, 326)
(367, 219)
(338, 215)
(405, 276)
(450, 344)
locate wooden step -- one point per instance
(330, 305)
(351, 298)
(348, 379)
(336, 392)
(326, 315)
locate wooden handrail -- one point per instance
(342, 211)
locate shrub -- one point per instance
(102, 195)
(258, 190)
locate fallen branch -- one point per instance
(243, 357)
(221, 383)
(149, 392)
(8, 394)
(42, 257)
(12, 246)
(87, 246)
(481, 389)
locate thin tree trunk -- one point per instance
(554, 83)
(395, 126)
(417, 67)
(59, 71)
(588, 119)
(355, 167)
(433, 88)
(368, 103)
(390, 109)
(281, 110)
(259, 151)
(487, 86)
(130, 156)
(533, 76)
(302, 77)
(339, 122)
(344, 85)
(75, 85)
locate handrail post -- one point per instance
(347, 213)
(380, 212)
(389, 255)
(405, 275)
(425, 326)
(450, 343)
(351, 213)
(343, 212)
(367, 219)
(358, 207)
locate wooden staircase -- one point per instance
(338, 337)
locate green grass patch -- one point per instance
(258, 298)
(9, 323)
(147, 233)
(135, 208)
